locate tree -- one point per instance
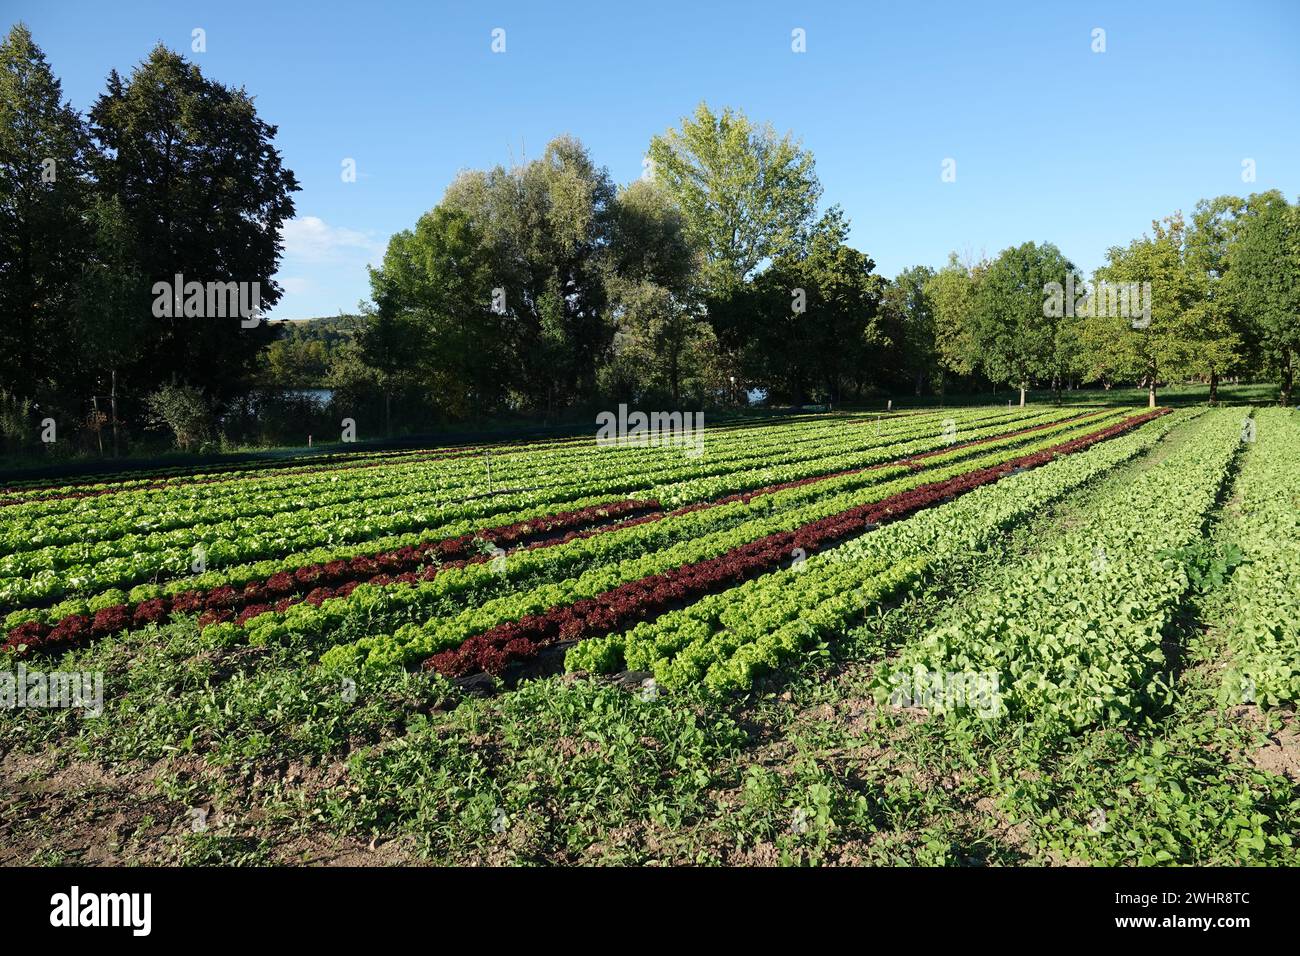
(387, 347)
(747, 197)
(107, 333)
(816, 317)
(951, 292)
(293, 362)
(1163, 340)
(206, 194)
(44, 192)
(1264, 280)
(652, 280)
(433, 324)
(911, 317)
(1216, 325)
(546, 225)
(1015, 330)
(183, 410)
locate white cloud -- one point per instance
(324, 268)
(310, 239)
(294, 285)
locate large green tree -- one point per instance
(1162, 342)
(206, 195)
(747, 194)
(1264, 282)
(44, 232)
(1015, 333)
(433, 324)
(546, 225)
(952, 295)
(748, 197)
(105, 331)
(1220, 340)
(816, 325)
(910, 320)
(662, 338)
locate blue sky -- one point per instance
(1052, 141)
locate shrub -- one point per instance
(184, 411)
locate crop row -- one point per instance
(1263, 630)
(728, 639)
(410, 565)
(36, 491)
(312, 583)
(448, 466)
(1075, 634)
(197, 507)
(590, 611)
(438, 618)
(48, 501)
(683, 523)
(32, 577)
(37, 530)
(26, 492)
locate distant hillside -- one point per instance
(303, 352)
(326, 328)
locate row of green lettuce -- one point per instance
(179, 505)
(111, 528)
(1263, 630)
(242, 550)
(1076, 635)
(399, 624)
(727, 640)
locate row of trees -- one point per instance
(1216, 297)
(545, 288)
(169, 174)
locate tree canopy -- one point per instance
(545, 288)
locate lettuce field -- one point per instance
(984, 636)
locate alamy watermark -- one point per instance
(208, 300)
(946, 690)
(651, 429)
(52, 690)
(75, 908)
(1128, 300)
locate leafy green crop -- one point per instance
(1264, 600)
(1075, 635)
(726, 639)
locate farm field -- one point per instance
(1050, 635)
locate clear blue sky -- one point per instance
(1052, 141)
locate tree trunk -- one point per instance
(1022, 396)
(1288, 380)
(99, 432)
(113, 411)
(1151, 393)
(1214, 387)
(388, 413)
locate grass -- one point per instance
(1259, 393)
